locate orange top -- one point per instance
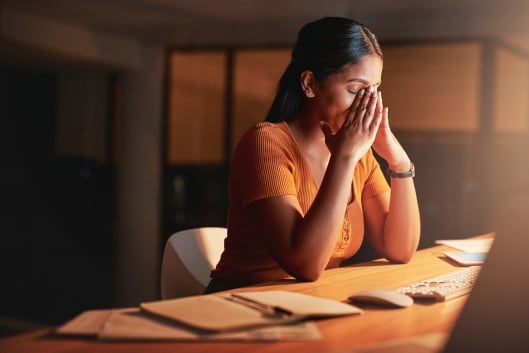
(268, 162)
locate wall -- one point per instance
(443, 96)
(85, 229)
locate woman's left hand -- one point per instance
(386, 144)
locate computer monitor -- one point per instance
(495, 317)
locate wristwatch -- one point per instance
(409, 174)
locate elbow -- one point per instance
(401, 252)
(306, 273)
(303, 266)
(400, 259)
(308, 277)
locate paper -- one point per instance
(210, 312)
(302, 304)
(132, 324)
(468, 245)
(135, 325)
(88, 323)
(467, 258)
(216, 312)
(212, 317)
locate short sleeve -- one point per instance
(263, 165)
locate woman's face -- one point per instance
(334, 96)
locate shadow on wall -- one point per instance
(56, 245)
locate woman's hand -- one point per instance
(359, 130)
(386, 144)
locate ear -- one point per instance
(308, 83)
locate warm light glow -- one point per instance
(511, 105)
(433, 87)
(196, 122)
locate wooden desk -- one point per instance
(375, 325)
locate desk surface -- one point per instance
(375, 325)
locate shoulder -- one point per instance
(267, 144)
(268, 129)
(266, 133)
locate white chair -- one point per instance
(188, 259)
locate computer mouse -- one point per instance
(382, 297)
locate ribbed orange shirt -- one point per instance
(268, 162)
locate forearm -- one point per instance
(316, 234)
(402, 224)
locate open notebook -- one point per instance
(261, 316)
(223, 312)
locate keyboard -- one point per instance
(443, 287)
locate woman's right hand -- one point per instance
(357, 134)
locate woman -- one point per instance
(304, 186)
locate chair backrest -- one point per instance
(188, 258)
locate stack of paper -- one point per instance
(468, 245)
(266, 315)
(470, 252)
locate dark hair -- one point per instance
(324, 47)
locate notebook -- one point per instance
(132, 324)
(224, 312)
(249, 316)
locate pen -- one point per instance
(272, 309)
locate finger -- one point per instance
(377, 121)
(380, 104)
(386, 113)
(371, 108)
(380, 107)
(354, 106)
(372, 103)
(358, 99)
(369, 98)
